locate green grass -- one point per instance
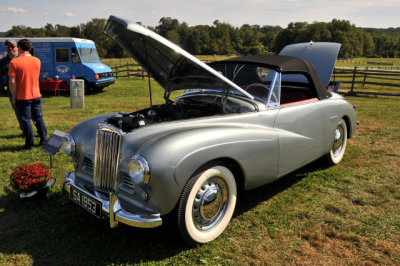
(383, 63)
(112, 62)
(361, 63)
(347, 214)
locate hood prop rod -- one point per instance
(148, 76)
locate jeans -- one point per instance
(32, 110)
(18, 117)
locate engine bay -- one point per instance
(181, 108)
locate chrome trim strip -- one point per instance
(112, 208)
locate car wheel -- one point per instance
(87, 87)
(206, 205)
(339, 144)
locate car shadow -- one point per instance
(66, 94)
(57, 231)
(249, 199)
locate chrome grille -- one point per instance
(106, 163)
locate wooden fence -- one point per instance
(372, 62)
(368, 81)
(129, 70)
(353, 80)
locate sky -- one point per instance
(362, 13)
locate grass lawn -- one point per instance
(347, 214)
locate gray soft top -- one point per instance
(280, 63)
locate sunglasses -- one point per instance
(9, 47)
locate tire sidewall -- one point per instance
(191, 231)
(336, 159)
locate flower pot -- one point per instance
(39, 193)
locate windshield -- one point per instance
(89, 55)
(256, 80)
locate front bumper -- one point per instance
(102, 83)
(113, 210)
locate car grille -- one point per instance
(107, 153)
(105, 75)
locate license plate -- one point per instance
(88, 203)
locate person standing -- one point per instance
(12, 52)
(24, 86)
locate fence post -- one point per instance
(116, 72)
(354, 77)
(127, 70)
(334, 74)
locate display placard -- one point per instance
(54, 143)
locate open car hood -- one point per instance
(172, 67)
(322, 55)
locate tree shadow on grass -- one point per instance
(12, 148)
(12, 136)
(57, 231)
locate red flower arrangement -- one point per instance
(30, 177)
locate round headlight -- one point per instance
(139, 170)
(69, 145)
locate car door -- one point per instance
(300, 127)
(77, 69)
(62, 65)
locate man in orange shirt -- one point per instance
(24, 86)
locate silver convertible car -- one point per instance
(238, 124)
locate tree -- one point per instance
(369, 46)
(93, 30)
(270, 33)
(221, 41)
(61, 31)
(173, 36)
(223, 38)
(288, 35)
(318, 31)
(167, 24)
(16, 31)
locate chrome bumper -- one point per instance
(113, 210)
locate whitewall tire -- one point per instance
(207, 205)
(339, 144)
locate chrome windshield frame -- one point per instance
(276, 80)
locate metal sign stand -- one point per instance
(51, 161)
(53, 144)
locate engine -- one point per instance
(127, 121)
(182, 108)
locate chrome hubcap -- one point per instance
(210, 203)
(338, 141)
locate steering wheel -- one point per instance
(261, 91)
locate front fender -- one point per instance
(175, 157)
